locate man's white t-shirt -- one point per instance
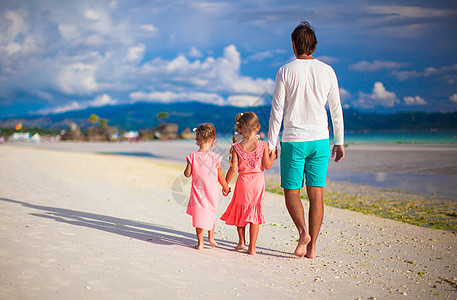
(302, 88)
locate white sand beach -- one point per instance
(78, 225)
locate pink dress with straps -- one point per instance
(204, 193)
(247, 201)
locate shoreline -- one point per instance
(422, 209)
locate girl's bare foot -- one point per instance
(303, 242)
(251, 250)
(213, 243)
(310, 251)
(240, 246)
(199, 246)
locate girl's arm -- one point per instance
(223, 182)
(268, 158)
(233, 167)
(188, 170)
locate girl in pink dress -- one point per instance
(250, 157)
(205, 168)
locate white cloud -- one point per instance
(380, 93)
(68, 31)
(221, 75)
(405, 75)
(194, 53)
(244, 100)
(328, 59)
(453, 98)
(74, 105)
(264, 55)
(365, 66)
(414, 100)
(95, 40)
(397, 11)
(344, 94)
(136, 53)
(446, 73)
(379, 97)
(92, 15)
(99, 101)
(170, 97)
(16, 26)
(78, 78)
(113, 5)
(13, 48)
(102, 100)
(149, 28)
(409, 21)
(259, 56)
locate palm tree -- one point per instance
(93, 118)
(162, 116)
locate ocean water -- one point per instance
(402, 137)
(391, 137)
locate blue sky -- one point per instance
(58, 56)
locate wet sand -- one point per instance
(82, 225)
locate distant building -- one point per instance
(36, 138)
(131, 135)
(20, 137)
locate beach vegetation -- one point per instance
(416, 209)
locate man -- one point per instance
(302, 88)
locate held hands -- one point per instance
(225, 192)
(338, 152)
(273, 154)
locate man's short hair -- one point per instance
(304, 39)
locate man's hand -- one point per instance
(338, 152)
(274, 153)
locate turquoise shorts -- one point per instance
(304, 159)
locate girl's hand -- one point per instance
(225, 192)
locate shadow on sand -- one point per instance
(148, 232)
(138, 154)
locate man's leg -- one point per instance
(296, 211)
(316, 214)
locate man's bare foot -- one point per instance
(213, 243)
(310, 251)
(240, 246)
(251, 250)
(303, 242)
(199, 246)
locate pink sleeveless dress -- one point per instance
(247, 201)
(204, 193)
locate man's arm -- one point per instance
(336, 111)
(277, 110)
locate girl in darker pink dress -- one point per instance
(205, 168)
(250, 157)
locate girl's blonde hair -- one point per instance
(245, 124)
(205, 132)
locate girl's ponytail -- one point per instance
(235, 136)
